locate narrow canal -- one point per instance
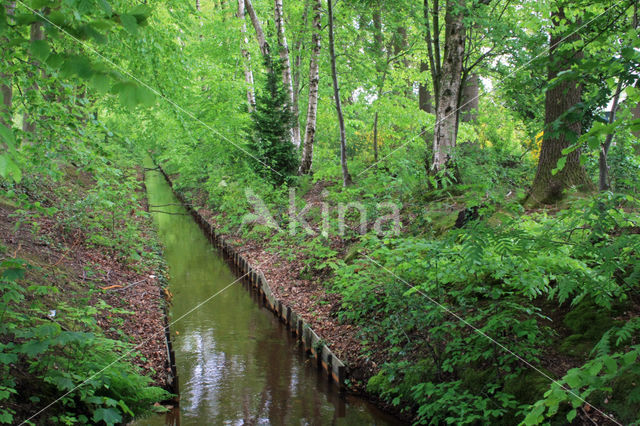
(237, 363)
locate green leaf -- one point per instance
(131, 94)
(9, 168)
(130, 23)
(561, 163)
(104, 4)
(40, 49)
(77, 65)
(7, 136)
(8, 358)
(141, 11)
(628, 53)
(110, 416)
(629, 358)
(593, 142)
(101, 82)
(33, 348)
(145, 96)
(571, 415)
(611, 365)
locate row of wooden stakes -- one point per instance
(312, 344)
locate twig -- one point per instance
(131, 285)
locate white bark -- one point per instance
(286, 69)
(248, 74)
(262, 41)
(314, 79)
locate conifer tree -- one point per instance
(272, 120)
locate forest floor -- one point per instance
(85, 273)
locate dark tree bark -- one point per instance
(314, 79)
(346, 177)
(36, 34)
(635, 112)
(603, 182)
(424, 95)
(547, 187)
(469, 101)
(6, 88)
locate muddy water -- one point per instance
(237, 364)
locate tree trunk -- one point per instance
(375, 138)
(346, 177)
(469, 102)
(248, 75)
(547, 187)
(262, 41)
(314, 79)
(378, 41)
(400, 45)
(604, 183)
(6, 88)
(445, 131)
(424, 96)
(36, 34)
(286, 71)
(297, 59)
(635, 112)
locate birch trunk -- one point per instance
(445, 131)
(314, 79)
(297, 60)
(248, 75)
(346, 177)
(262, 41)
(286, 70)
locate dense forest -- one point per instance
(449, 190)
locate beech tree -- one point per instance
(562, 122)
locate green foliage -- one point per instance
(272, 119)
(66, 356)
(495, 277)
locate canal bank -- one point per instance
(237, 362)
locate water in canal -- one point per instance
(237, 364)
